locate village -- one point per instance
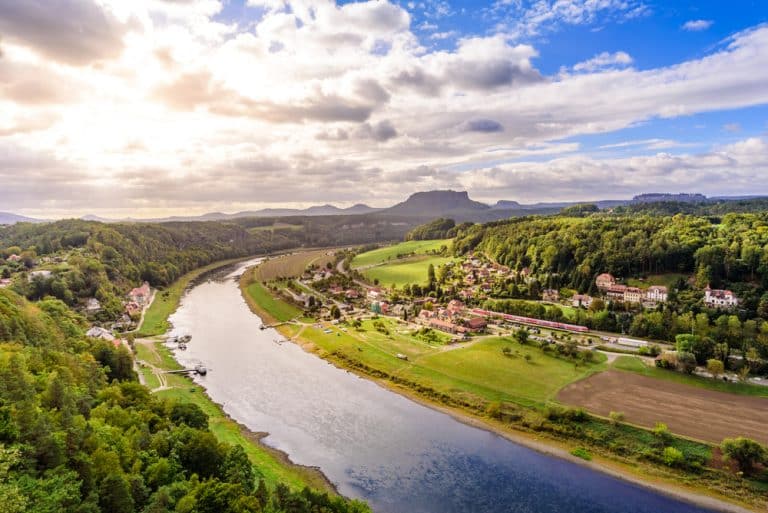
(334, 293)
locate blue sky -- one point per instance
(161, 107)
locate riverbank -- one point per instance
(273, 465)
(165, 302)
(652, 477)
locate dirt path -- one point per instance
(159, 373)
(691, 411)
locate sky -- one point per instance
(178, 107)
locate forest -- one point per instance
(79, 434)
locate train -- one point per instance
(575, 328)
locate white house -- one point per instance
(656, 294)
(716, 298)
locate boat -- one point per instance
(401, 356)
(201, 370)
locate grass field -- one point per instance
(278, 226)
(413, 270)
(276, 308)
(293, 265)
(666, 279)
(167, 301)
(476, 370)
(636, 365)
(389, 253)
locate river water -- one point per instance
(373, 444)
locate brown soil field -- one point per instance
(690, 411)
(293, 265)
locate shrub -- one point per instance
(745, 452)
(673, 457)
(581, 452)
(616, 417)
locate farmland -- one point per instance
(690, 411)
(411, 270)
(292, 265)
(390, 253)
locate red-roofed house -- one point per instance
(605, 281)
(140, 295)
(716, 298)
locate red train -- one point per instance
(533, 322)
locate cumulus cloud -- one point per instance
(72, 31)
(179, 109)
(697, 25)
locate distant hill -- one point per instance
(8, 218)
(656, 197)
(437, 204)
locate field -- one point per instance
(292, 265)
(278, 226)
(476, 370)
(690, 411)
(277, 309)
(633, 364)
(389, 253)
(412, 270)
(167, 301)
(666, 279)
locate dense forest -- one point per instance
(78, 434)
(95, 260)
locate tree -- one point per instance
(686, 362)
(672, 457)
(715, 367)
(237, 468)
(745, 452)
(522, 335)
(335, 312)
(431, 274)
(115, 494)
(190, 414)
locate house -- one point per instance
(446, 326)
(616, 292)
(4, 282)
(380, 307)
(716, 298)
(14, 258)
(374, 293)
(425, 315)
(351, 294)
(455, 307)
(336, 290)
(140, 295)
(633, 295)
(550, 295)
(92, 305)
(476, 324)
(656, 294)
(132, 309)
(605, 281)
(580, 300)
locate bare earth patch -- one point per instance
(690, 411)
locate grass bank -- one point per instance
(396, 251)
(166, 301)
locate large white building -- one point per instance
(656, 293)
(716, 298)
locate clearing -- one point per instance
(404, 249)
(293, 265)
(690, 411)
(412, 270)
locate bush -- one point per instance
(616, 417)
(581, 452)
(673, 457)
(745, 452)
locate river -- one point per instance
(375, 445)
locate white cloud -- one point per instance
(187, 112)
(604, 60)
(697, 25)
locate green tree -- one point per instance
(745, 452)
(115, 494)
(190, 414)
(238, 469)
(715, 367)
